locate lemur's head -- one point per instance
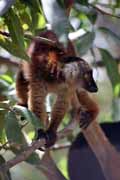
(78, 70)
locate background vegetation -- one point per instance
(94, 28)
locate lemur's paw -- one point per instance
(85, 118)
(49, 136)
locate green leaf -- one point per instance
(84, 43)
(33, 159)
(35, 19)
(2, 124)
(13, 130)
(14, 134)
(117, 4)
(29, 116)
(92, 17)
(32, 4)
(25, 18)
(61, 3)
(7, 78)
(111, 67)
(109, 34)
(15, 28)
(13, 48)
(56, 16)
(83, 2)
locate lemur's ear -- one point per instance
(70, 59)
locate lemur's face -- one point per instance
(79, 71)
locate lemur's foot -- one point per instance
(85, 118)
(49, 136)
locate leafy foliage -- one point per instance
(23, 17)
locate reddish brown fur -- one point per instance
(88, 103)
(43, 75)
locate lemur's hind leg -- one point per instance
(59, 109)
(36, 100)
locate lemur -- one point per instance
(53, 70)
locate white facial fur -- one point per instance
(71, 71)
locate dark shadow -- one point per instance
(82, 163)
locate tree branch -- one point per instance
(35, 145)
(8, 61)
(37, 38)
(23, 156)
(104, 151)
(49, 168)
(103, 12)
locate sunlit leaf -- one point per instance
(25, 18)
(56, 16)
(15, 28)
(13, 48)
(84, 43)
(29, 116)
(6, 78)
(117, 90)
(2, 123)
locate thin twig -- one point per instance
(37, 38)
(103, 12)
(61, 146)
